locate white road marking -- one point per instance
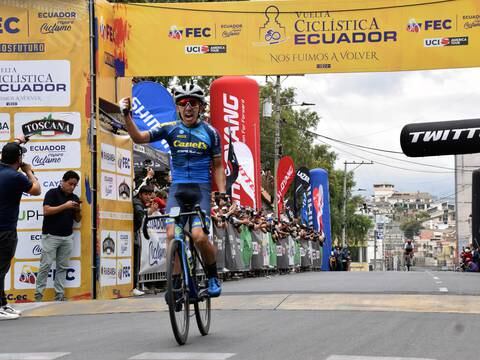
(182, 356)
(436, 278)
(32, 356)
(438, 282)
(354, 357)
(443, 289)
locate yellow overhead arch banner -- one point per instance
(294, 37)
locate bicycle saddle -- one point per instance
(188, 195)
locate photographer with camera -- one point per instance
(12, 185)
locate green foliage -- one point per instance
(411, 226)
(299, 143)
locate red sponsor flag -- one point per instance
(234, 111)
(285, 176)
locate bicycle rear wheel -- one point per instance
(177, 294)
(202, 304)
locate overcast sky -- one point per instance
(370, 109)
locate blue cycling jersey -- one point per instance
(192, 150)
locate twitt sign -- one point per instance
(441, 138)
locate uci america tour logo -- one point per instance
(272, 32)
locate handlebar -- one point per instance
(176, 214)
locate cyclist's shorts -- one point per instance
(190, 194)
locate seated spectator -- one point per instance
(157, 206)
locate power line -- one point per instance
(389, 165)
(377, 149)
(356, 145)
(410, 161)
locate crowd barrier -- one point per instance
(239, 250)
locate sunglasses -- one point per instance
(194, 103)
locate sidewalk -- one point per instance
(465, 304)
(92, 307)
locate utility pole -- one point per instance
(344, 208)
(276, 120)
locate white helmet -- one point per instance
(188, 90)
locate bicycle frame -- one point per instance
(179, 235)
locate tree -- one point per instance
(299, 142)
(411, 226)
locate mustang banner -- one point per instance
(297, 37)
(234, 104)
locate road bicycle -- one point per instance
(408, 262)
(186, 274)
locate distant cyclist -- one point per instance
(195, 149)
(408, 252)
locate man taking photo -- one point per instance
(12, 185)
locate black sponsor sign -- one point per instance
(441, 138)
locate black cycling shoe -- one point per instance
(178, 304)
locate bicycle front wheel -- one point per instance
(177, 293)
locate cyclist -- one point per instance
(195, 148)
(408, 251)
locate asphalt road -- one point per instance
(322, 316)
(388, 282)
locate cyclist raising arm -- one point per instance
(195, 149)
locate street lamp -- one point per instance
(273, 111)
(344, 209)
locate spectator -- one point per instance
(146, 180)
(12, 185)
(60, 208)
(140, 204)
(157, 206)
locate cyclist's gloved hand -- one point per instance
(124, 105)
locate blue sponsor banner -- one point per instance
(152, 105)
(321, 210)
